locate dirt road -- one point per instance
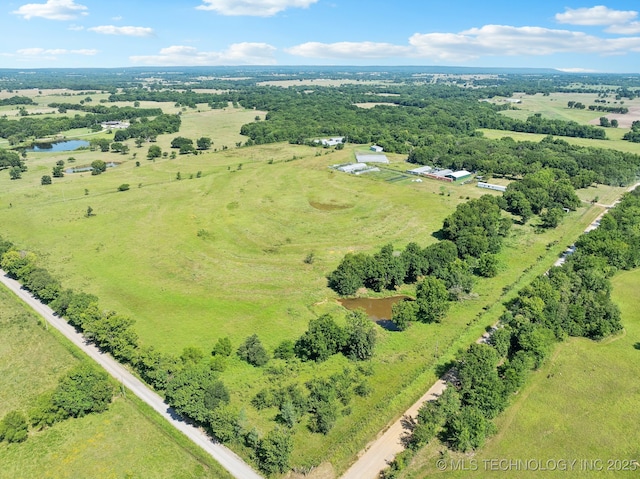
(228, 459)
(380, 452)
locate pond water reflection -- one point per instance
(378, 309)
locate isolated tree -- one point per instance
(57, 171)
(89, 211)
(432, 300)
(360, 336)
(45, 180)
(84, 389)
(204, 143)
(604, 121)
(253, 352)
(222, 347)
(98, 167)
(403, 313)
(614, 123)
(154, 152)
(551, 217)
(15, 173)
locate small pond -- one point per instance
(56, 146)
(378, 309)
(83, 168)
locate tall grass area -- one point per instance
(582, 404)
(128, 440)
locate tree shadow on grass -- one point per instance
(637, 346)
(387, 324)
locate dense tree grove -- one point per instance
(506, 157)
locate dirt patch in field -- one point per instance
(328, 206)
(323, 471)
(624, 120)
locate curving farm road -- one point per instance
(228, 459)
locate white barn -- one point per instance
(365, 158)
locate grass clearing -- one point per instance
(582, 404)
(615, 142)
(128, 440)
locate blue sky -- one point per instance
(573, 36)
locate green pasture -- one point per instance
(196, 259)
(128, 440)
(554, 106)
(615, 141)
(581, 405)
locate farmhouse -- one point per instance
(490, 186)
(371, 158)
(114, 125)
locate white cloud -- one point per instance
(76, 28)
(128, 31)
(236, 54)
(631, 28)
(50, 53)
(52, 10)
(254, 8)
(576, 70)
(489, 40)
(598, 15)
(349, 50)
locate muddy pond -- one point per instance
(378, 309)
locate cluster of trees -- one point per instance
(17, 100)
(606, 123)
(537, 124)
(185, 145)
(325, 337)
(115, 113)
(146, 129)
(81, 391)
(471, 237)
(323, 402)
(31, 127)
(547, 193)
(13, 162)
(609, 109)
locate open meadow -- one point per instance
(197, 259)
(212, 245)
(581, 405)
(128, 440)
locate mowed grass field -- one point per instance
(581, 405)
(197, 259)
(128, 440)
